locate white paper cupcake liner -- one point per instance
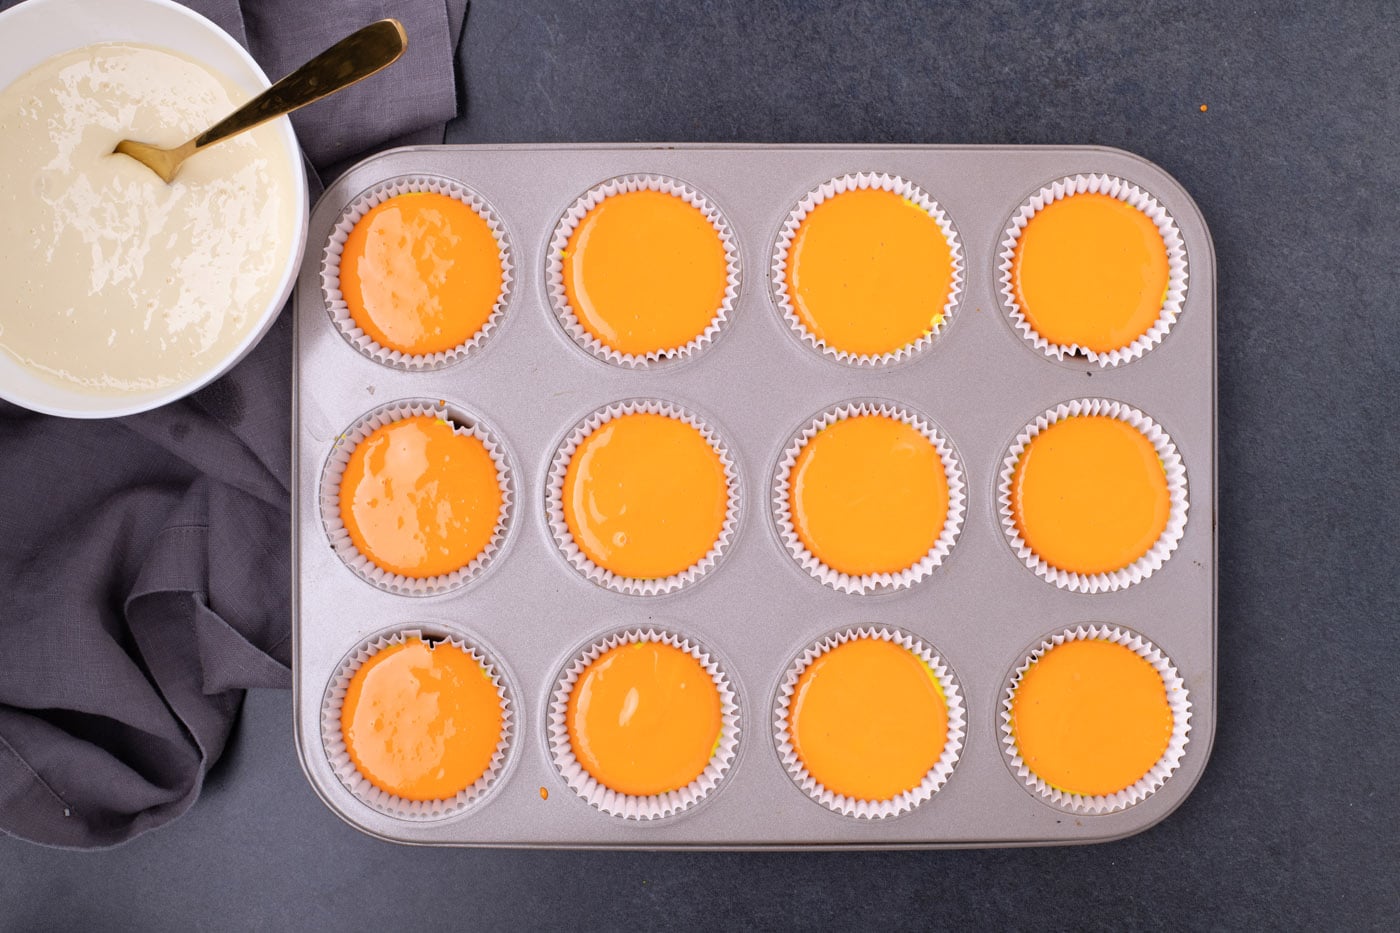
(364, 568)
(1178, 701)
(628, 806)
(355, 782)
(559, 241)
(850, 806)
(863, 180)
(1176, 266)
(330, 272)
(1157, 555)
(872, 582)
(559, 526)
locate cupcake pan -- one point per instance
(980, 382)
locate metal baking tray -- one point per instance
(982, 610)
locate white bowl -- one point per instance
(37, 30)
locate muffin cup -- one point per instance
(330, 272)
(614, 802)
(1178, 700)
(1129, 194)
(559, 526)
(874, 582)
(366, 569)
(783, 245)
(559, 241)
(1166, 543)
(339, 756)
(936, 777)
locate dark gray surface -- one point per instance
(1296, 166)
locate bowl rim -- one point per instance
(83, 405)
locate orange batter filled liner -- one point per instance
(642, 498)
(416, 500)
(1093, 496)
(642, 269)
(1093, 266)
(870, 722)
(417, 727)
(1096, 719)
(869, 497)
(867, 269)
(417, 272)
(643, 724)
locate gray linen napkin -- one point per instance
(144, 561)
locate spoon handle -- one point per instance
(352, 59)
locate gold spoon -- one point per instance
(352, 59)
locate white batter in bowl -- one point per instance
(122, 293)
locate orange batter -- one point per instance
(1090, 270)
(644, 718)
(869, 271)
(645, 271)
(868, 494)
(1089, 494)
(419, 499)
(645, 496)
(421, 273)
(1091, 717)
(422, 722)
(868, 719)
